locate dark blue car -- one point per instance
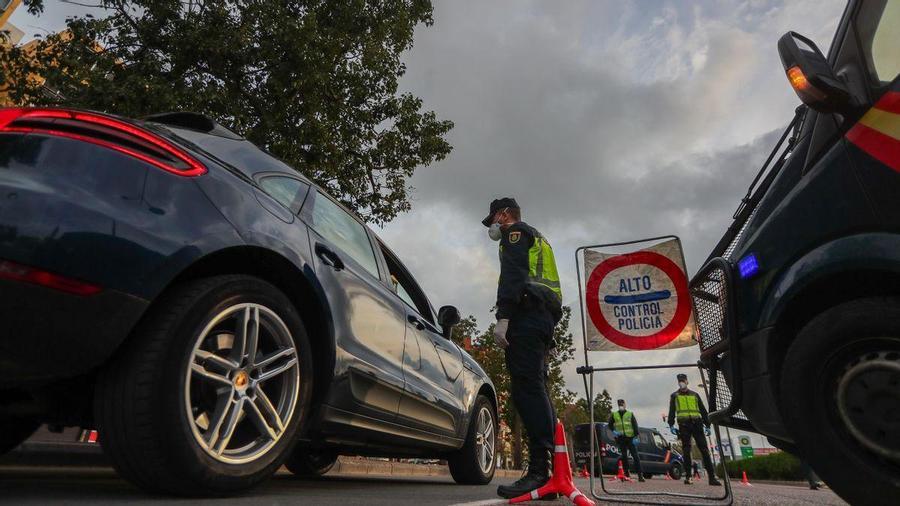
(212, 312)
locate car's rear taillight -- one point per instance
(26, 274)
(105, 131)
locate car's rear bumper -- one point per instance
(49, 334)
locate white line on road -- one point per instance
(489, 502)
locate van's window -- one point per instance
(286, 190)
(879, 28)
(344, 232)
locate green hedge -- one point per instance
(780, 466)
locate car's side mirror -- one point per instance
(448, 317)
(810, 75)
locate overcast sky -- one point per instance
(608, 121)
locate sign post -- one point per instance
(746, 447)
(635, 301)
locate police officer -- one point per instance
(687, 407)
(625, 428)
(529, 304)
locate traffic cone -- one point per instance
(561, 482)
(666, 476)
(744, 481)
(584, 472)
(621, 474)
(92, 436)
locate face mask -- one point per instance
(494, 232)
(621, 409)
(682, 385)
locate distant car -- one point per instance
(657, 455)
(212, 312)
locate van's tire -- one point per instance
(14, 430)
(152, 398)
(840, 392)
(308, 463)
(467, 465)
(676, 471)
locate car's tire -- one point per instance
(840, 392)
(307, 463)
(676, 471)
(13, 431)
(474, 463)
(183, 409)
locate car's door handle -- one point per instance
(329, 258)
(416, 322)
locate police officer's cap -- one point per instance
(682, 377)
(497, 205)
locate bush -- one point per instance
(781, 466)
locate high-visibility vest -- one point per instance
(542, 265)
(686, 407)
(624, 424)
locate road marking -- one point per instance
(489, 502)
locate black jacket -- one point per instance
(525, 308)
(703, 414)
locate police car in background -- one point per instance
(657, 455)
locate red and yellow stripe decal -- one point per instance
(878, 131)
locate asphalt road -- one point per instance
(100, 486)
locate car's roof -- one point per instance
(234, 151)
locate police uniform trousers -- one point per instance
(626, 445)
(688, 429)
(526, 359)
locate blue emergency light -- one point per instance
(748, 266)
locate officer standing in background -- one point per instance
(529, 305)
(625, 428)
(687, 407)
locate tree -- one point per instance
(314, 82)
(602, 406)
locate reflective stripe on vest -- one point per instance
(542, 266)
(626, 426)
(686, 407)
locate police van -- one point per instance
(657, 455)
(798, 306)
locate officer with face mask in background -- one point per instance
(529, 305)
(625, 428)
(687, 407)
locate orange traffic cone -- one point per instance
(584, 472)
(621, 474)
(744, 481)
(561, 482)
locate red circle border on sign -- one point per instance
(659, 339)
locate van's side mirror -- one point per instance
(448, 317)
(810, 76)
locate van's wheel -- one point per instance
(474, 463)
(308, 463)
(675, 471)
(13, 431)
(207, 395)
(840, 396)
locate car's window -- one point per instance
(879, 27)
(286, 190)
(344, 232)
(659, 441)
(405, 287)
(645, 438)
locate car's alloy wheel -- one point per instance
(206, 397)
(474, 463)
(241, 383)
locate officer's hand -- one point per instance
(635, 440)
(500, 333)
(673, 430)
(706, 430)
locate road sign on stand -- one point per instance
(746, 447)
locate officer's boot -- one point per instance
(712, 478)
(687, 479)
(537, 476)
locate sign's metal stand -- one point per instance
(637, 497)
